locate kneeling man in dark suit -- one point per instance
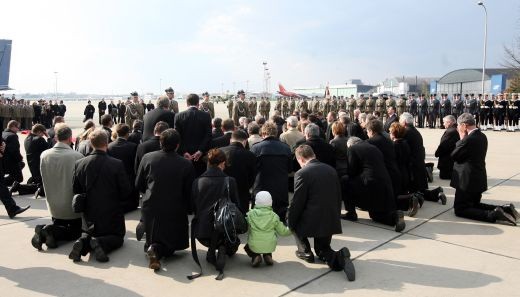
(469, 176)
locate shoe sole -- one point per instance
(442, 198)
(349, 269)
(36, 240)
(415, 207)
(99, 253)
(154, 263)
(75, 254)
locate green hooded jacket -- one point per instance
(264, 228)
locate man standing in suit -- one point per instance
(317, 198)
(161, 113)
(102, 107)
(392, 117)
(12, 159)
(125, 150)
(228, 126)
(469, 176)
(194, 126)
(240, 164)
(104, 181)
(57, 169)
(5, 196)
(446, 146)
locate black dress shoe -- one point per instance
(75, 254)
(50, 241)
(500, 215)
(350, 216)
(442, 198)
(139, 231)
(348, 268)
(308, 257)
(14, 187)
(420, 198)
(399, 221)
(511, 210)
(414, 206)
(38, 239)
(99, 253)
(18, 211)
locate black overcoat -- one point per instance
(151, 145)
(194, 126)
(469, 170)
(418, 179)
(153, 117)
(386, 147)
(446, 146)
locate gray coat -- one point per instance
(57, 170)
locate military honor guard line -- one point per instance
(261, 173)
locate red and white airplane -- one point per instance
(282, 91)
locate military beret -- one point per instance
(205, 94)
(241, 92)
(169, 90)
(134, 93)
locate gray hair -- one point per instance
(362, 117)
(242, 120)
(449, 118)
(407, 118)
(292, 121)
(63, 132)
(163, 102)
(353, 140)
(312, 130)
(466, 118)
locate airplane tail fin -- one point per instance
(5, 63)
(281, 88)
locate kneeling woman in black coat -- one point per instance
(206, 191)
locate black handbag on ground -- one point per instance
(228, 218)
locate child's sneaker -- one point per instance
(256, 261)
(268, 259)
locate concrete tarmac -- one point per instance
(437, 254)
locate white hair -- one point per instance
(406, 118)
(292, 121)
(353, 140)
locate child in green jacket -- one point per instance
(264, 228)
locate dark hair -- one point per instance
(261, 121)
(217, 122)
(88, 124)
(304, 151)
(253, 128)
(122, 130)
(38, 128)
(228, 125)
(138, 124)
(192, 100)
(345, 120)
(58, 119)
(13, 123)
(170, 139)
(160, 127)
(215, 157)
(106, 119)
(239, 135)
(376, 126)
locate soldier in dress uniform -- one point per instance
(240, 108)
(422, 110)
(445, 109)
(466, 103)
(457, 106)
(361, 103)
(412, 106)
(29, 114)
(315, 105)
(351, 106)
(486, 106)
(380, 105)
(252, 106)
(334, 104)
(370, 105)
(174, 105)
(511, 114)
(229, 106)
(325, 106)
(514, 111)
(500, 112)
(264, 107)
(132, 109)
(303, 105)
(401, 105)
(3, 114)
(206, 105)
(342, 104)
(474, 107)
(433, 111)
(17, 112)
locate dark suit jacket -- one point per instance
(125, 151)
(241, 164)
(469, 170)
(369, 182)
(109, 133)
(136, 136)
(104, 180)
(153, 117)
(324, 152)
(317, 198)
(389, 122)
(386, 147)
(446, 146)
(151, 145)
(34, 147)
(165, 179)
(194, 126)
(418, 179)
(50, 140)
(221, 141)
(12, 156)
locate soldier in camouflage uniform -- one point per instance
(285, 108)
(390, 102)
(325, 106)
(230, 105)
(315, 105)
(342, 104)
(264, 107)
(401, 105)
(370, 105)
(361, 103)
(132, 109)
(28, 113)
(240, 108)
(17, 112)
(252, 105)
(351, 106)
(174, 105)
(303, 106)
(4, 113)
(380, 105)
(206, 105)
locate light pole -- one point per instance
(56, 85)
(480, 3)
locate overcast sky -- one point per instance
(117, 46)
